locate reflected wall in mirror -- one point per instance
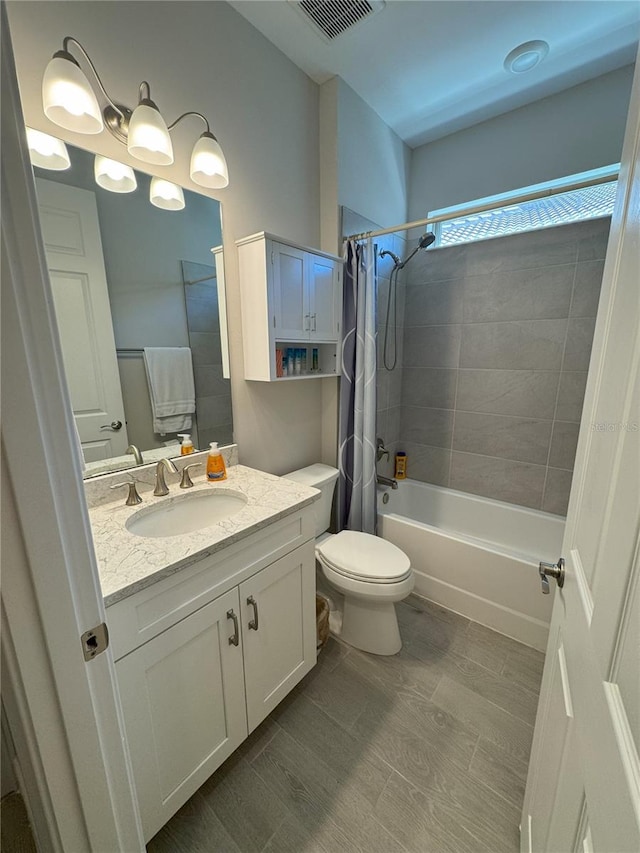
(127, 275)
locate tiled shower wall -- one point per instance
(389, 384)
(497, 338)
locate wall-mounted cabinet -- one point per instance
(291, 300)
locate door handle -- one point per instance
(307, 322)
(551, 570)
(314, 323)
(253, 624)
(234, 641)
(114, 425)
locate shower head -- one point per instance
(425, 241)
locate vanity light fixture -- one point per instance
(114, 176)
(46, 151)
(166, 195)
(70, 102)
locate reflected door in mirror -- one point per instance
(71, 232)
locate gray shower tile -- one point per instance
(521, 439)
(202, 314)
(395, 387)
(556, 492)
(393, 425)
(502, 479)
(213, 411)
(529, 345)
(593, 237)
(426, 426)
(528, 393)
(571, 396)
(209, 381)
(563, 444)
(543, 248)
(438, 265)
(381, 424)
(205, 348)
(433, 304)
(382, 389)
(428, 464)
(579, 340)
(586, 291)
(431, 346)
(539, 293)
(429, 386)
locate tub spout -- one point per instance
(387, 481)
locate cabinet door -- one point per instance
(279, 630)
(325, 296)
(184, 708)
(290, 293)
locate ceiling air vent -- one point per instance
(334, 17)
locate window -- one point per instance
(558, 209)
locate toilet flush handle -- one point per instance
(253, 624)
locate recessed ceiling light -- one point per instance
(526, 56)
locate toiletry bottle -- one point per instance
(303, 362)
(290, 361)
(315, 367)
(187, 445)
(401, 466)
(216, 469)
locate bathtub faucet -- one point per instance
(387, 481)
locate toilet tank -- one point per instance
(321, 477)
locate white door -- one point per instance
(278, 630)
(71, 232)
(583, 788)
(183, 701)
(325, 298)
(290, 293)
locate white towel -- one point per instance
(171, 388)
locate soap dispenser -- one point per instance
(187, 445)
(216, 469)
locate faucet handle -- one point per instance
(133, 497)
(185, 482)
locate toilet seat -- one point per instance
(364, 557)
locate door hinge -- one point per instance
(95, 641)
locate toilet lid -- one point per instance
(364, 557)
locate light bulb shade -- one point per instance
(208, 164)
(148, 137)
(67, 97)
(114, 176)
(46, 151)
(166, 195)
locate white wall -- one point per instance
(579, 129)
(264, 110)
(373, 162)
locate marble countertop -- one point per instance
(128, 562)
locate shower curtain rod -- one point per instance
(480, 208)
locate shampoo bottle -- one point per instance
(187, 445)
(216, 469)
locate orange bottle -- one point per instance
(216, 469)
(187, 445)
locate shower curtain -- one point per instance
(357, 421)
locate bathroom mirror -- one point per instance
(126, 275)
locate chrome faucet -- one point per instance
(138, 456)
(387, 481)
(161, 486)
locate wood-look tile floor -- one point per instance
(423, 752)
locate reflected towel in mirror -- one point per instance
(171, 388)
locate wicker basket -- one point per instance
(322, 621)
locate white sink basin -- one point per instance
(186, 513)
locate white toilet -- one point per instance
(369, 572)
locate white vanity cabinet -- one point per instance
(291, 297)
(223, 641)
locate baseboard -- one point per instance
(525, 629)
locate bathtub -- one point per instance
(476, 556)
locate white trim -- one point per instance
(63, 589)
(626, 743)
